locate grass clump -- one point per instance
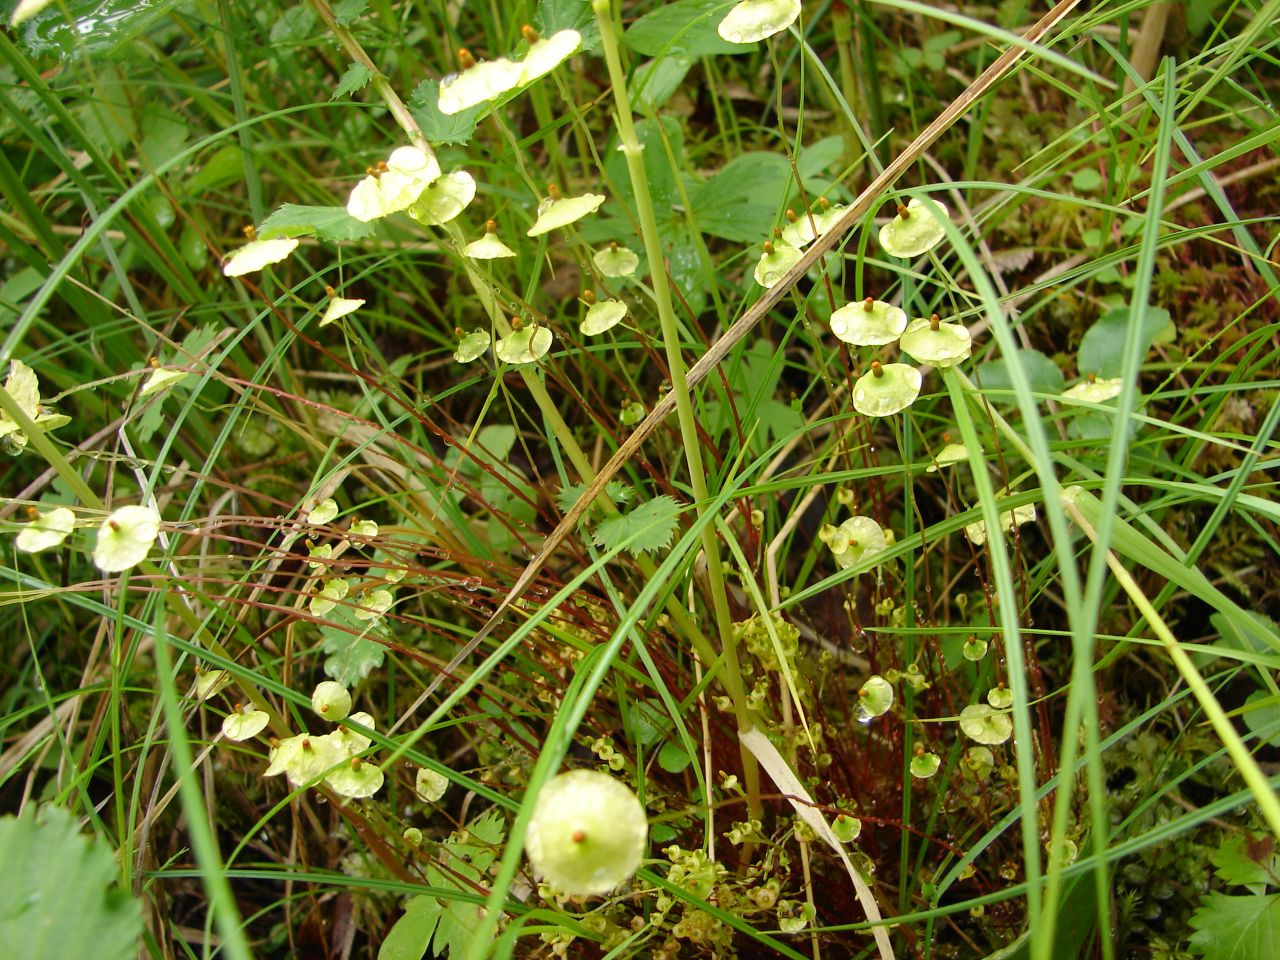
(341, 354)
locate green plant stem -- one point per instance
(632, 150)
(1250, 772)
(1007, 614)
(222, 902)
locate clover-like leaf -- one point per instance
(331, 700)
(854, 540)
(975, 648)
(915, 229)
(329, 596)
(886, 390)
(1094, 390)
(924, 764)
(394, 185)
(556, 211)
(601, 316)
(243, 724)
(868, 322)
(875, 697)
(949, 454)
(846, 828)
(526, 345)
(125, 538)
(546, 53)
(615, 261)
(477, 82)
(338, 308)
(980, 722)
(374, 604)
(444, 199)
(488, 247)
(256, 254)
(936, 343)
(977, 531)
(751, 21)
(428, 785)
(775, 263)
(472, 346)
(356, 779)
(160, 380)
(48, 529)
(587, 832)
(323, 512)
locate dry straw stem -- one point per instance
(720, 349)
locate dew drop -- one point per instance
(471, 584)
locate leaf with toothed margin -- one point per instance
(648, 527)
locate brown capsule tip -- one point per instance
(457, 331)
(329, 291)
(791, 215)
(613, 246)
(382, 167)
(355, 763)
(946, 436)
(578, 836)
(553, 191)
(903, 212)
(306, 744)
(465, 60)
(32, 512)
(250, 233)
(824, 203)
(1092, 378)
(768, 248)
(919, 749)
(588, 297)
(115, 527)
(876, 368)
(869, 304)
(491, 226)
(777, 233)
(153, 362)
(863, 693)
(530, 35)
(852, 542)
(934, 322)
(516, 323)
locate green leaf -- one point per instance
(59, 897)
(648, 527)
(818, 158)
(347, 12)
(663, 186)
(1247, 860)
(1236, 928)
(224, 167)
(1102, 348)
(742, 201)
(753, 378)
(356, 78)
(352, 654)
(1086, 180)
(295, 26)
(409, 938)
(1043, 373)
(442, 128)
(615, 490)
(327, 223)
(672, 757)
(684, 28)
(654, 81)
(1262, 716)
(556, 15)
(465, 861)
